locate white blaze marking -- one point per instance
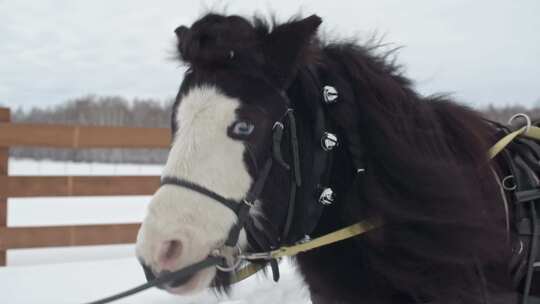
(201, 153)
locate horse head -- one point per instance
(223, 124)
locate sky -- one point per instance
(482, 51)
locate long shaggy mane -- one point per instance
(428, 177)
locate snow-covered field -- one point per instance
(81, 274)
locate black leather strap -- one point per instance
(258, 186)
(169, 277)
(521, 158)
(176, 181)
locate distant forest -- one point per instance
(118, 111)
(98, 111)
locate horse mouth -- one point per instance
(174, 284)
(181, 281)
(187, 285)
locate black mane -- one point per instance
(427, 175)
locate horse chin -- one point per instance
(195, 284)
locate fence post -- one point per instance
(4, 157)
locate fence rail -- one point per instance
(50, 236)
(67, 136)
(77, 137)
(33, 186)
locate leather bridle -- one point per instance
(230, 251)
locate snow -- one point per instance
(84, 281)
(81, 274)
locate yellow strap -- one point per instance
(333, 237)
(503, 142)
(336, 236)
(532, 132)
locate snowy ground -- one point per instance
(80, 274)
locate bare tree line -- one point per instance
(119, 111)
(502, 114)
(98, 111)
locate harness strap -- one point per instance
(257, 188)
(525, 160)
(289, 251)
(333, 237)
(531, 132)
(295, 174)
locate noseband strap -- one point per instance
(233, 205)
(180, 182)
(240, 208)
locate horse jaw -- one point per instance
(204, 154)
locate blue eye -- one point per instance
(243, 128)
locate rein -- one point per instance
(336, 236)
(169, 277)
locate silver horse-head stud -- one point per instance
(330, 94)
(327, 197)
(329, 141)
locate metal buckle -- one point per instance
(508, 183)
(231, 256)
(524, 116)
(257, 256)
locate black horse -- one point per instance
(364, 145)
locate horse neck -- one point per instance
(409, 140)
(306, 97)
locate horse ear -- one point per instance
(287, 46)
(182, 33)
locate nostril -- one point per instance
(173, 250)
(169, 253)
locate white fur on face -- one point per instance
(201, 153)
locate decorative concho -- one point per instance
(330, 94)
(327, 197)
(329, 141)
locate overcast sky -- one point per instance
(482, 51)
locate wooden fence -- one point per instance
(77, 137)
